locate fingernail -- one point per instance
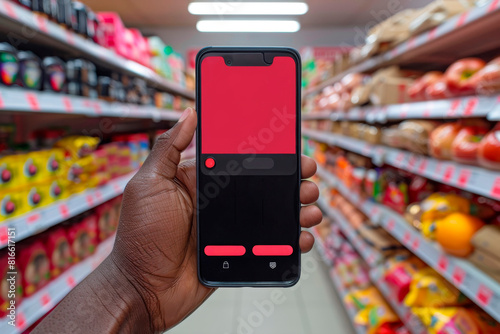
(185, 114)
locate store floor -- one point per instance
(311, 307)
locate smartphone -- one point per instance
(248, 166)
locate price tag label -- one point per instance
(2, 105)
(471, 106)
(453, 108)
(41, 23)
(67, 104)
(439, 167)
(443, 263)
(423, 166)
(458, 276)
(117, 188)
(70, 37)
(411, 43)
(98, 196)
(411, 162)
(495, 190)
(484, 295)
(463, 177)
(461, 20)
(45, 299)
(431, 34)
(63, 209)
(71, 281)
(391, 224)
(426, 113)
(33, 218)
(21, 320)
(394, 53)
(4, 237)
(33, 101)
(400, 158)
(416, 244)
(9, 9)
(448, 173)
(407, 238)
(404, 110)
(493, 5)
(90, 200)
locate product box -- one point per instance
(11, 204)
(34, 266)
(9, 171)
(391, 91)
(487, 239)
(58, 250)
(82, 237)
(9, 289)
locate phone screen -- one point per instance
(248, 168)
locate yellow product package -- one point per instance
(54, 163)
(10, 167)
(11, 204)
(78, 146)
(438, 206)
(429, 289)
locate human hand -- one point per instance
(155, 246)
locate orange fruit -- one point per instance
(455, 231)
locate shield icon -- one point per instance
(272, 265)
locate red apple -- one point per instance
(417, 89)
(458, 75)
(489, 149)
(466, 144)
(441, 139)
(487, 80)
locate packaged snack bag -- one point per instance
(106, 220)
(33, 197)
(429, 289)
(54, 161)
(9, 292)
(9, 171)
(11, 204)
(399, 276)
(78, 146)
(34, 266)
(438, 206)
(32, 165)
(58, 251)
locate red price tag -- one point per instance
(400, 157)
(2, 105)
(394, 53)
(471, 106)
(70, 281)
(407, 237)
(391, 224)
(453, 108)
(33, 218)
(411, 162)
(461, 20)
(98, 195)
(45, 300)
(42, 23)
(423, 166)
(33, 101)
(9, 10)
(439, 167)
(426, 113)
(448, 173)
(443, 263)
(67, 104)
(90, 200)
(495, 190)
(97, 108)
(117, 188)
(432, 34)
(416, 244)
(70, 37)
(21, 320)
(493, 5)
(4, 238)
(404, 110)
(463, 177)
(458, 275)
(63, 209)
(484, 295)
(411, 43)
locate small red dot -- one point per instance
(210, 163)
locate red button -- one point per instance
(274, 250)
(210, 163)
(225, 250)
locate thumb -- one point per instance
(166, 153)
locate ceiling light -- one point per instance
(247, 8)
(247, 26)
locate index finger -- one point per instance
(308, 166)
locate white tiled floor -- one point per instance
(311, 307)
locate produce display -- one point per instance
(38, 177)
(43, 257)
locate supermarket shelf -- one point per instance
(33, 308)
(350, 310)
(411, 321)
(474, 179)
(26, 25)
(440, 44)
(38, 220)
(371, 256)
(475, 284)
(28, 101)
(463, 107)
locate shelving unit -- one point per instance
(25, 24)
(474, 179)
(479, 287)
(40, 219)
(26, 101)
(442, 44)
(36, 306)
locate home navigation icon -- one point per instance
(225, 265)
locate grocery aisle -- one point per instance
(311, 307)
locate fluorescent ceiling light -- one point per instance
(247, 26)
(247, 8)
